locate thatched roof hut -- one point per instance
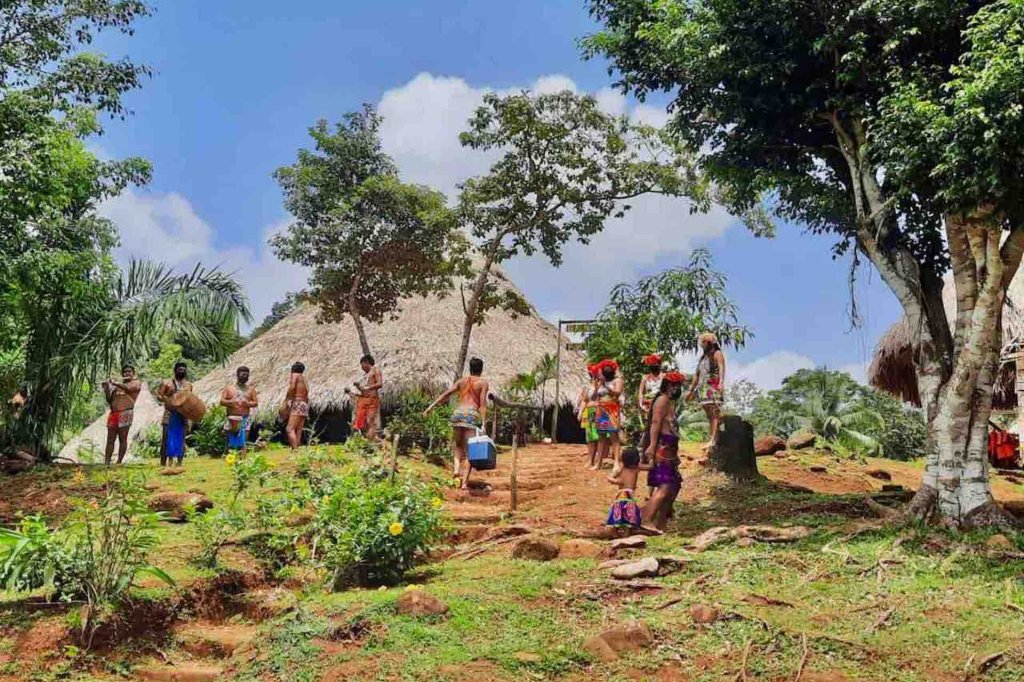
(892, 367)
(416, 350)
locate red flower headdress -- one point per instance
(607, 364)
(674, 378)
(652, 360)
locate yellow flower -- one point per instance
(230, 460)
(78, 478)
(294, 509)
(396, 528)
(437, 502)
(326, 499)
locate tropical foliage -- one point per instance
(565, 168)
(94, 556)
(370, 239)
(665, 313)
(371, 529)
(842, 413)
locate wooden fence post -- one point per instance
(394, 457)
(514, 483)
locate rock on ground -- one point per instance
(632, 542)
(1000, 542)
(418, 603)
(768, 445)
(175, 504)
(645, 568)
(630, 636)
(535, 549)
(703, 615)
(581, 549)
(801, 440)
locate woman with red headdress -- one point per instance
(609, 413)
(650, 385)
(662, 451)
(586, 413)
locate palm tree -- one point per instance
(829, 412)
(545, 371)
(127, 315)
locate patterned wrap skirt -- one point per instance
(624, 512)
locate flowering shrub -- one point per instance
(94, 556)
(216, 528)
(372, 530)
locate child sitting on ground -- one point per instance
(624, 513)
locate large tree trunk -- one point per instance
(353, 310)
(470, 308)
(956, 479)
(956, 370)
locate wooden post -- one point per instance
(494, 424)
(514, 483)
(394, 457)
(558, 385)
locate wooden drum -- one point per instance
(188, 405)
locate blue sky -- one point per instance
(237, 83)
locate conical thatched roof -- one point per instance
(416, 350)
(892, 367)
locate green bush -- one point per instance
(903, 433)
(207, 435)
(372, 529)
(148, 444)
(94, 556)
(430, 434)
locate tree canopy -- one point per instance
(370, 239)
(566, 167)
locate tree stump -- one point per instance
(733, 453)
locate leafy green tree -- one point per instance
(370, 239)
(565, 168)
(889, 124)
(742, 396)
(833, 413)
(837, 408)
(278, 311)
(665, 313)
(120, 316)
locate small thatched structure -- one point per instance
(415, 351)
(892, 367)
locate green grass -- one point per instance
(872, 602)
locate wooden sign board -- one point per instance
(578, 327)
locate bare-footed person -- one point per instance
(468, 417)
(663, 451)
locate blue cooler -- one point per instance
(483, 455)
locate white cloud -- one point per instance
(422, 122)
(166, 227)
(769, 371)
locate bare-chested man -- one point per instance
(174, 425)
(367, 391)
(121, 396)
(239, 398)
(469, 415)
(296, 404)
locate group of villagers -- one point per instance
(655, 447)
(240, 400)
